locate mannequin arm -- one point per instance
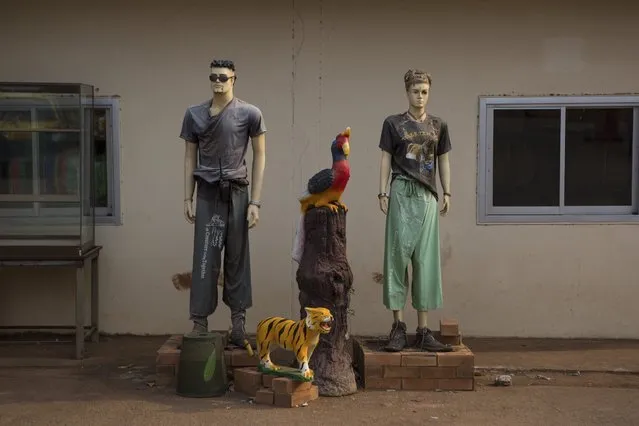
(444, 172)
(384, 171)
(190, 159)
(259, 162)
(444, 178)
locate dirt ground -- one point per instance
(116, 387)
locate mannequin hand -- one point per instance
(446, 206)
(383, 204)
(252, 215)
(188, 211)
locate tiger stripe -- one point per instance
(301, 337)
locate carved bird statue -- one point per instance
(325, 188)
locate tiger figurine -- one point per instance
(301, 337)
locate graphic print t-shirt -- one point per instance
(414, 146)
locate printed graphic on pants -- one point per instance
(213, 238)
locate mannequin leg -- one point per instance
(422, 319)
(210, 219)
(398, 340)
(427, 281)
(400, 239)
(398, 316)
(237, 293)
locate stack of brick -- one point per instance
(167, 360)
(272, 390)
(413, 369)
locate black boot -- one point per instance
(425, 341)
(397, 339)
(238, 334)
(200, 325)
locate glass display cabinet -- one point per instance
(47, 195)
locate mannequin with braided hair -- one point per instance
(414, 144)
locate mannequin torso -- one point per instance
(415, 146)
(223, 138)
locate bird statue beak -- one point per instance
(346, 148)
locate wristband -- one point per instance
(256, 203)
(382, 194)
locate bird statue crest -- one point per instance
(325, 188)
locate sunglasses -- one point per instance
(223, 78)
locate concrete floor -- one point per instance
(116, 387)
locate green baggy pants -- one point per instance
(412, 235)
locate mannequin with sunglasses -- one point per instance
(216, 134)
(414, 145)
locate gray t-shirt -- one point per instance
(415, 146)
(222, 139)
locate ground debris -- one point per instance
(503, 380)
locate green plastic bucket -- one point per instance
(202, 370)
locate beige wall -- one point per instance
(502, 280)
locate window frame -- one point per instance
(112, 106)
(489, 214)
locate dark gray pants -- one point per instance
(220, 223)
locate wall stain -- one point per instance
(447, 249)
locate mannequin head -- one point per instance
(222, 76)
(417, 84)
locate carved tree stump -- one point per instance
(324, 279)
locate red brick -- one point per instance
(267, 380)
(264, 396)
(284, 385)
(417, 360)
(177, 338)
(165, 374)
(374, 371)
(449, 340)
(169, 352)
(247, 380)
(456, 384)
(437, 372)
(167, 357)
(467, 368)
(373, 383)
(449, 327)
(297, 398)
(419, 384)
(241, 358)
(454, 359)
(380, 358)
(395, 372)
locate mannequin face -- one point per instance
(417, 95)
(218, 86)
